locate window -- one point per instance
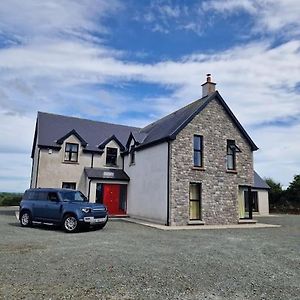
(132, 155)
(69, 185)
(195, 201)
(52, 196)
(232, 149)
(111, 156)
(198, 151)
(71, 152)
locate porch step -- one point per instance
(247, 221)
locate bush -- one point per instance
(10, 199)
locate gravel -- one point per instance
(130, 261)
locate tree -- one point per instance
(275, 192)
(293, 191)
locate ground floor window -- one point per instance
(113, 196)
(69, 185)
(195, 201)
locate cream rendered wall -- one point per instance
(147, 190)
(53, 170)
(263, 201)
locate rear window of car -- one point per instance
(35, 195)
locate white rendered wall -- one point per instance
(147, 190)
(263, 201)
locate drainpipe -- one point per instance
(89, 191)
(168, 187)
(250, 202)
(37, 168)
(92, 161)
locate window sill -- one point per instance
(198, 168)
(231, 171)
(70, 162)
(196, 222)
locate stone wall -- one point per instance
(219, 187)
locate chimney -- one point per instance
(208, 87)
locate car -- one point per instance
(65, 207)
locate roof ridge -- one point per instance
(85, 119)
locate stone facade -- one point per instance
(219, 199)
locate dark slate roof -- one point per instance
(169, 126)
(110, 174)
(259, 183)
(53, 128)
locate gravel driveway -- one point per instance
(130, 261)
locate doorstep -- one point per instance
(118, 216)
(201, 227)
(247, 221)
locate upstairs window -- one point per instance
(71, 152)
(198, 151)
(232, 149)
(132, 155)
(111, 156)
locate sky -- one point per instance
(132, 62)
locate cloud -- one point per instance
(67, 69)
(167, 16)
(27, 20)
(269, 15)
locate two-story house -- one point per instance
(193, 166)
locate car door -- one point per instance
(54, 207)
(39, 205)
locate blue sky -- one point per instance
(132, 62)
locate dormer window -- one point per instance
(71, 152)
(111, 156)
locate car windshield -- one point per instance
(73, 196)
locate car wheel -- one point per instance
(25, 219)
(70, 223)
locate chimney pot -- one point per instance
(208, 87)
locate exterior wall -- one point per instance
(263, 201)
(219, 187)
(53, 170)
(147, 190)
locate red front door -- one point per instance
(111, 199)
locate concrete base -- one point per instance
(201, 227)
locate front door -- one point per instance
(111, 199)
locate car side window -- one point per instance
(52, 196)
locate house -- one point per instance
(193, 166)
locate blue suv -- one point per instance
(65, 207)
